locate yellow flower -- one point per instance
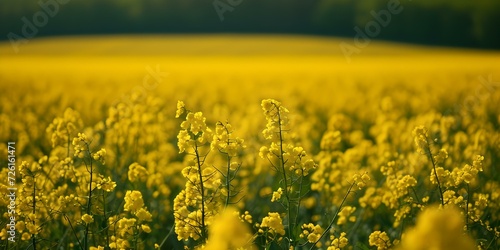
(62, 128)
(143, 215)
(264, 152)
(438, 228)
(361, 179)
(477, 163)
(441, 156)
(87, 218)
(224, 141)
(344, 215)
(20, 225)
(308, 166)
(137, 172)
(146, 228)
(247, 217)
(277, 119)
(330, 140)
(311, 232)
(228, 232)
(380, 240)
(25, 236)
(181, 107)
(125, 226)
(406, 182)
(421, 136)
(106, 184)
(194, 131)
(272, 222)
(32, 228)
(277, 195)
(99, 155)
(133, 201)
(338, 243)
(268, 104)
(183, 141)
(449, 196)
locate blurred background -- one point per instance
(463, 23)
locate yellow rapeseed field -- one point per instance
(247, 142)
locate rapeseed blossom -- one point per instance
(228, 232)
(137, 172)
(311, 232)
(296, 171)
(380, 240)
(438, 228)
(133, 201)
(272, 224)
(338, 243)
(87, 218)
(277, 195)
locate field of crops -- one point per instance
(247, 142)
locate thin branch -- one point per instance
(334, 217)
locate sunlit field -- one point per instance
(247, 142)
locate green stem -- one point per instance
(467, 209)
(202, 189)
(228, 180)
(33, 236)
(282, 162)
(104, 198)
(334, 217)
(89, 203)
(299, 198)
(73, 229)
(166, 237)
(429, 154)
(69, 142)
(416, 196)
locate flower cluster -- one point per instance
(99, 155)
(80, 144)
(361, 180)
(330, 140)
(345, 215)
(126, 229)
(277, 128)
(380, 240)
(421, 136)
(277, 195)
(200, 201)
(272, 226)
(137, 172)
(396, 193)
(294, 178)
(468, 173)
(228, 232)
(338, 243)
(438, 228)
(62, 128)
(311, 232)
(224, 142)
(194, 131)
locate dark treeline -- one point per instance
(441, 22)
